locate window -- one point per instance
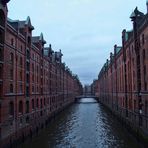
(134, 105)
(28, 54)
(21, 76)
(27, 106)
(1, 72)
(44, 101)
(29, 40)
(28, 66)
(11, 88)
(20, 107)
(41, 103)
(11, 108)
(32, 77)
(145, 85)
(32, 88)
(11, 58)
(1, 54)
(32, 67)
(27, 78)
(37, 103)
(21, 62)
(1, 37)
(1, 90)
(143, 39)
(27, 91)
(11, 74)
(21, 88)
(32, 103)
(12, 42)
(21, 47)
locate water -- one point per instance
(83, 125)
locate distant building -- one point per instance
(34, 83)
(87, 90)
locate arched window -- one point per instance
(32, 103)
(21, 75)
(11, 88)
(143, 39)
(21, 62)
(29, 40)
(12, 42)
(11, 58)
(11, 108)
(37, 103)
(41, 103)
(20, 107)
(11, 73)
(27, 106)
(44, 101)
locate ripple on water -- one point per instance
(83, 126)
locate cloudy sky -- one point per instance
(85, 30)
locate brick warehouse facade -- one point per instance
(34, 83)
(122, 83)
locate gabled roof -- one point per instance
(128, 34)
(136, 13)
(16, 24)
(36, 39)
(28, 22)
(118, 49)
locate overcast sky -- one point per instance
(85, 30)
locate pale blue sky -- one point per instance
(85, 30)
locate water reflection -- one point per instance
(83, 126)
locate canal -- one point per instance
(86, 124)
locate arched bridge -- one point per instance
(85, 99)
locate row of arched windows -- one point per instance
(20, 106)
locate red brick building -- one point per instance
(123, 80)
(34, 83)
